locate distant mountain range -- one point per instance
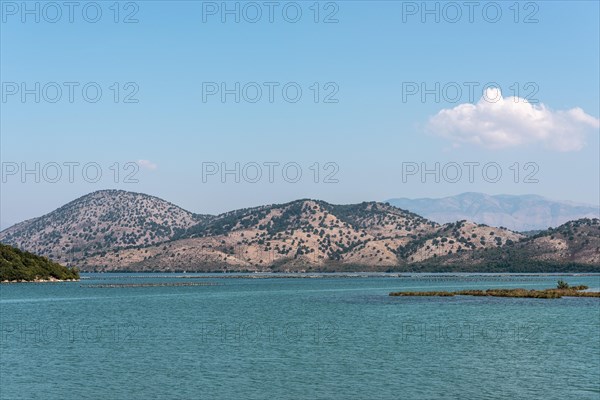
(114, 230)
(518, 213)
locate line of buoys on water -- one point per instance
(133, 285)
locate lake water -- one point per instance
(286, 338)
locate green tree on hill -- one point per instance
(18, 265)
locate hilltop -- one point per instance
(100, 221)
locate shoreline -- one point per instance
(331, 275)
(50, 280)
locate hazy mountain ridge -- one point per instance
(518, 213)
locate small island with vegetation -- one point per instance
(20, 266)
(562, 289)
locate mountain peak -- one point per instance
(98, 221)
(516, 212)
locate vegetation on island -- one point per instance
(562, 289)
(17, 265)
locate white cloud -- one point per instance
(146, 164)
(498, 122)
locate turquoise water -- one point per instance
(326, 338)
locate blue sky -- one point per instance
(364, 126)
